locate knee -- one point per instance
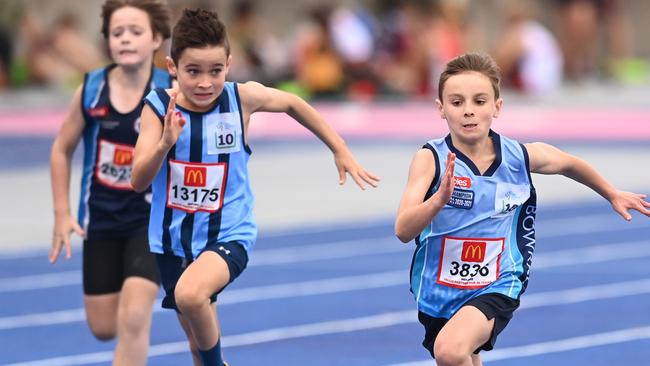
(134, 320)
(103, 333)
(449, 353)
(189, 299)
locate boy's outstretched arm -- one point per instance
(255, 97)
(414, 212)
(60, 158)
(547, 159)
(154, 142)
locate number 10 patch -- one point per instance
(223, 133)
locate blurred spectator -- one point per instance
(6, 57)
(402, 62)
(52, 56)
(318, 67)
(354, 33)
(582, 23)
(445, 35)
(257, 52)
(527, 53)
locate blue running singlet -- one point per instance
(483, 239)
(202, 193)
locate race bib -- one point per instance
(468, 263)
(224, 133)
(114, 164)
(508, 197)
(196, 186)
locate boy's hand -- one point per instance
(622, 202)
(447, 182)
(346, 163)
(64, 224)
(174, 122)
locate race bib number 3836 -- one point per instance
(196, 186)
(469, 263)
(114, 164)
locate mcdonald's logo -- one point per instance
(473, 251)
(195, 176)
(122, 156)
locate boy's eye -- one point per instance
(480, 102)
(192, 72)
(216, 71)
(455, 102)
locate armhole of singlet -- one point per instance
(436, 176)
(527, 162)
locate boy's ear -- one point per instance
(497, 109)
(440, 109)
(171, 66)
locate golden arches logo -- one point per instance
(473, 251)
(122, 156)
(195, 176)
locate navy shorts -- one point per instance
(108, 262)
(493, 306)
(172, 267)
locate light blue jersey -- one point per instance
(483, 239)
(202, 193)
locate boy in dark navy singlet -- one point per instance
(120, 275)
(470, 206)
(194, 150)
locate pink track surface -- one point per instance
(407, 120)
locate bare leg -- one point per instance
(205, 276)
(101, 315)
(134, 321)
(466, 331)
(196, 358)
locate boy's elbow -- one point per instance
(137, 184)
(402, 236)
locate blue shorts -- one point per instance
(172, 267)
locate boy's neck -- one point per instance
(477, 149)
(132, 76)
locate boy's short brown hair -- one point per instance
(159, 14)
(198, 28)
(476, 62)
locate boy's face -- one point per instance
(201, 74)
(131, 40)
(468, 105)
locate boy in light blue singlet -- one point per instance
(193, 149)
(470, 205)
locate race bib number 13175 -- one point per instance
(196, 186)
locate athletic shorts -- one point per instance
(172, 267)
(107, 263)
(493, 306)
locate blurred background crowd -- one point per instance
(356, 49)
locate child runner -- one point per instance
(120, 276)
(194, 148)
(470, 206)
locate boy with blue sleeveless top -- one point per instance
(470, 206)
(120, 275)
(194, 148)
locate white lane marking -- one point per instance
(552, 298)
(560, 345)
